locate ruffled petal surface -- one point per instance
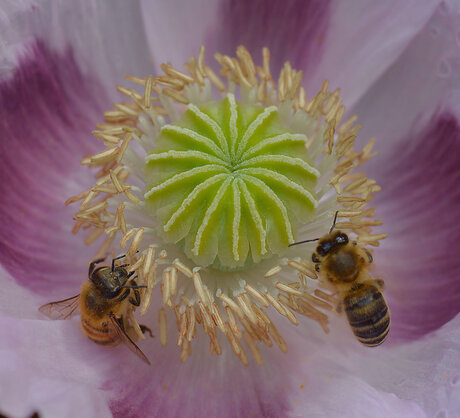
(414, 113)
(51, 106)
(416, 379)
(106, 36)
(363, 39)
(70, 366)
(11, 293)
(24, 391)
(346, 380)
(423, 81)
(204, 385)
(46, 368)
(176, 29)
(348, 43)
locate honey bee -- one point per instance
(344, 264)
(104, 301)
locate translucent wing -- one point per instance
(62, 309)
(128, 341)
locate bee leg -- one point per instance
(339, 308)
(124, 295)
(145, 329)
(93, 265)
(115, 259)
(137, 298)
(120, 321)
(380, 283)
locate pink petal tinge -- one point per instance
(48, 109)
(53, 94)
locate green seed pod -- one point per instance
(229, 183)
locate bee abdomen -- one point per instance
(100, 333)
(368, 314)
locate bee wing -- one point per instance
(128, 341)
(62, 309)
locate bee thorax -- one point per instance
(342, 267)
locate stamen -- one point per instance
(93, 236)
(257, 295)
(199, 287)
(135, 325)
(232, 322)
(246, 308)
(288, 289)
(183, 268)
(162, 325)
(233, 306)
(302, 268)
(272, 272)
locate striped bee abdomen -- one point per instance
(367, 313)
(100, 333)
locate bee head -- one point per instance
(108, 282)
(328, 244)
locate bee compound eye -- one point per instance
(324, 248)
(341, 238)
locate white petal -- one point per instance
(342, 378)
(422, 82)
(340, 395)
(24, 390)
(106, 37)
(363, 39)
(176, 29)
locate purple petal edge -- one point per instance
(48, 111)
(419, 201)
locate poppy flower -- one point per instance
(174, 178)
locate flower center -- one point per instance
(205, 196)
(229, 183)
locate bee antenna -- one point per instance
(303, 242)
(335, 220)
(317, 239)
(118, 258)
(113, 262)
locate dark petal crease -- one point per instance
(419, 204)
(48, 111)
